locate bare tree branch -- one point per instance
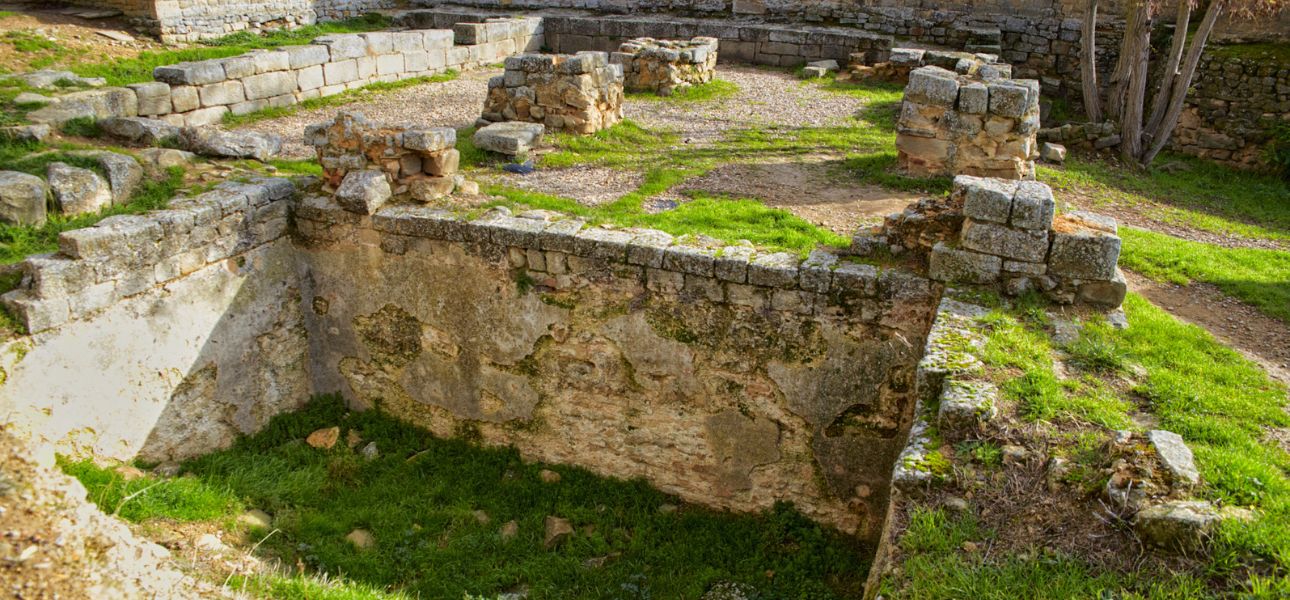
(1088, 64)
(1170, 70)
(1183, 81)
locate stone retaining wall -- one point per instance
(161, 336)
(201, 93)
(729, 377)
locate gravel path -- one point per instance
(453, 104)
(765, 98)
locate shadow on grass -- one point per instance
(435, 509)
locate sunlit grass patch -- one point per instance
(717, 89)
(626, 144)
(148, 497)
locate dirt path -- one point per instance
(1260, 338)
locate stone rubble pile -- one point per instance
(965, 124)
(368, 163)
(580, 93)
(1003, 232)
(904, 60)
(25, 199)
(663, 66)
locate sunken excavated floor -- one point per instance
(445, 518)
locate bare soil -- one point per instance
(77, 37)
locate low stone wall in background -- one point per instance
(663, 66)
(579, 93)
(201, 93)
(952, 124)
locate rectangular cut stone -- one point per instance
(956, 265)
(408, 41)
(689, 259)
(816, 273)
(437, 38)
(378, 42)
(974, 98)
(1083, 253)
(1032, 206)
(1024, 268)
(219, 94)
(270, 61)
(856, 277)
(237, 67)
(300, 57)
(774, 270)
(732, 264)
(336, 73)
(310, 78)
(184, 98)
(389, 64)
(986, 199)
(1007, 99)
(194, 73)
(1004, 241)
(430, 139)
(558, 236)
(343, 46)
(603, 244)
(268, 85)
(647, 246)
(934, 86)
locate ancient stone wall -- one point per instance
(728, 377)
(161, 336)
(192, 20)
(579, 93)
(977, 123)
(663, 66)
(201, 93)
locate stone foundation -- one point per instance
(975, 123)
(579, 93)
(423, 159)
(663, 66)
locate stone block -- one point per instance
(437, 39)
(267, 85)
(1000, 240)
(221, 94)
(363, 192)
(431, 188)
(647, 246)
(184, 99)
(299, 57)
(1108, 294)
(442, 163)
(343, 46)
(408, 41)
(154, 97)
(856, 278)
(430, 139)
(966, 404)
(932, 85)
(205, 116)
(1009, 99)
(986, 199)
(1032, 206)
(774, 270)
(694, 260)
(378, 42)
(1081, 252)
(974, 98)
(340, 73)
(510, 138)
(389, 64)
(22, 199)
(1175, 455)
(237, 67)
(956, 265)
(310, 78)
(268, 61)
(193, 73)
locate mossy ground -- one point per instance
(420, 499)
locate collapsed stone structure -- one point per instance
(422, 161)
(663, 66)
(581, 93)
(975, 124)
(1004, 233)
(904, 60)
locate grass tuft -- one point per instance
(717, 89)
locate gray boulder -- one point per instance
(156, 160)
(97, 104)
(363, 192)
(27, 133)
(22, 199)
(218, 143)
(139, 130)
(124, 173)
(1053, 153)
(46, 79)
(1178, 525)
(78, 191)
(1175, 455)
(31, 98)
(511, 138)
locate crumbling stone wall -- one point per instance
(729, 377)
(580, 93)
(161, 336)
(420, 160)
(663, 66)
(975, 123)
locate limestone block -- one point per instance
(965, 404)
(389, 64)
(1108, 294)
(510, 138)
(378, 42)
(986, 199)
(1009, 99)
(237, 67)
(185, 98)
(1177, 525)
(932, 85)
(268, 61)
(431, 188)
(310, 78)
(1176, 456)
(339, 73)
(22, 199)
(408, 41)
(205, 116)
(78, 191)
(437, 38)
(1000, 240)
(193, 73)
(139, 130)
(442, 163)
(124, 174)
(267, 85)
(974, 98)
(1032, 206)
(430, 139)
(153, 97)
(956, 265)
(299, 57)
(1082, 252)
(363, 192)
(732, 263)
(221, 94)
(343, 46)
(774, 270)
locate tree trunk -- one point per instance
(1088, 64)
(1119, 82)
(1170, 70)
(1160, 135)
(1137, 46)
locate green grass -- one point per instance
(418, 500)
(1256, 276)
(1203, 195)
(305, 587)
(82, 127)
(1273, 52)
(717, 89)
(148, 497)
(936, 567)
(625, 145)
(361, 94)
(18, 242)
(124, 71)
